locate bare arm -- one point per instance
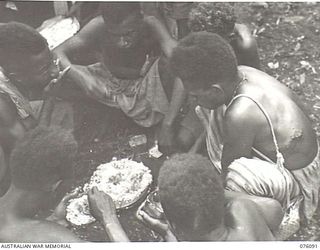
(197, 146)
(240, 124)
(166, 136)
(86, 39)
(103, 208)
(162, 35)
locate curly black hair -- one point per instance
(203, 58)
(44, 155)
(18, 38)
(116, 12)
(213, 17)
(190, 185)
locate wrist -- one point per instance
(110, 220)
(169, 236)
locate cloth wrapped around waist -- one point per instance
(144, 100)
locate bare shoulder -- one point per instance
(241, 112)
(93, 29)
(37, 231)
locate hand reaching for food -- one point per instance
(59, 214)
(101, 205)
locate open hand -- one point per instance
(158, 225)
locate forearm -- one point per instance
(63, 55)
(114, 230)
(177, 99)
(170, 237)
(199, 143)
(162, 35)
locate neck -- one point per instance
(221, 233)
(235, 87)
(20, 203)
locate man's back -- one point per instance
(293, 131)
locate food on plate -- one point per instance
(78, 211)
(126, 181)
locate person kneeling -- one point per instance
(197, 208)
(258, 132)
(41, 168)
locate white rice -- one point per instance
(124, 180)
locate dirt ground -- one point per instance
(288, 35)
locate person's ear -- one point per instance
(217, 88)
(218, 92)
(15, 77)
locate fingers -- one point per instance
(148, 219)
(71, 195)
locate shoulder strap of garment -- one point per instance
(280, 159)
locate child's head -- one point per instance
(213, 17)
(191, 195)
(123, 22)
(25, 56)
(203, 60)
(45, 156)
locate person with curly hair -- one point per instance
(258, 133)
(217, 18)
(27, 68)
(220, 18)
(197, 208)
(132, 72)
(42, 169)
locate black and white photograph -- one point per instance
(159, 122)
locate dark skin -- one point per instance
(246, 127)
(124, 48)
(246, 218)
(245, 46)
(246, 50)
(31, 74)
(19, 207)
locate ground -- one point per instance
(288, 35)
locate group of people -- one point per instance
(244, 161)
